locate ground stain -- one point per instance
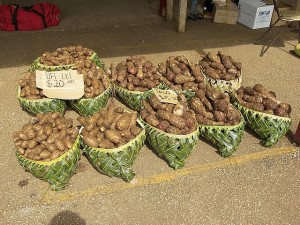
(23, 183)
(81, 167)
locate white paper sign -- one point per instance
(64, 84)
(167, 96)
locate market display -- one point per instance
(48, 147)
(219, 121)
(133, 80)
(112, 139)
(173, 105)
(171, 129)
(221, 71)
(264, 113)
(181, 75)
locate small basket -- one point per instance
(174, 149)
(116, 162)
(270, 128)
(56, 172)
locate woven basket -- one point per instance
(116, 162)
(58, 171)
(174, 149)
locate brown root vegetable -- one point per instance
(152, 120)
(174, 120)
(113, 136)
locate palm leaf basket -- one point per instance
(89, 106)
(270, 128)
(225, 138)
(116, 162)
(174, 149)
(56, 172)
(44, 105)
(223, 85)
(36, 65)
(134, 99)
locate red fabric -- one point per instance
(27, 19)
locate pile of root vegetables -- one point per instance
(134, 74)
(213, 107)
(66, 56)
(110, 128)
(179, 74)
(261, 99)
(28, 87)
(46, 137)
(170, 118)
(219, 66)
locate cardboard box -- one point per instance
(225, 14)
(255, 14)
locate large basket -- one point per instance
(43, 105)
(134, 99)
(224, 85)
(225, 138)
(116, 162)
(270, 128)
(174, 149)
(58, 171)
(36, 65)
(89, 106)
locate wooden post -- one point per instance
(182, 15)
(169, 10)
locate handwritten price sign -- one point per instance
(65, 84)
(167, 96)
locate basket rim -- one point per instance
(49, 163)
(88, 99)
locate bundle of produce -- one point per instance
(171, 129)
(65, 58)
(221, 71)
(32, 98)
(49, 148)
(219, 121)
(97, 89)
(112, 139)
(264, 113)
(133, 80)
(181, 75)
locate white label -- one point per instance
(64, 84)
(167, 96)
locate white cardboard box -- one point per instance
(255, 14)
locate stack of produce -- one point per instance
(171, 129)
(65, 58)
(263, 112)
(221, 71)
(97, 89)
(49, 148)
(219, 121)
(181, 75)
(112, 139)
(32, 98)
(134, 79)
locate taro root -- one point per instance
(212, 107)
(261, 99)
(28, 87)
(109, 128)
(220, 66)
(46, 137)
(134, 74)
(179, 74)
(171, 118)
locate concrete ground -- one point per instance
(257, 185)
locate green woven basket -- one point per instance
(58, 171)
(36, 65)
(43, 105)
(225, 138)
(116, 162)
(134, 99)
(174, 149)
(224, 85)
(270, 128)
(89, 106)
